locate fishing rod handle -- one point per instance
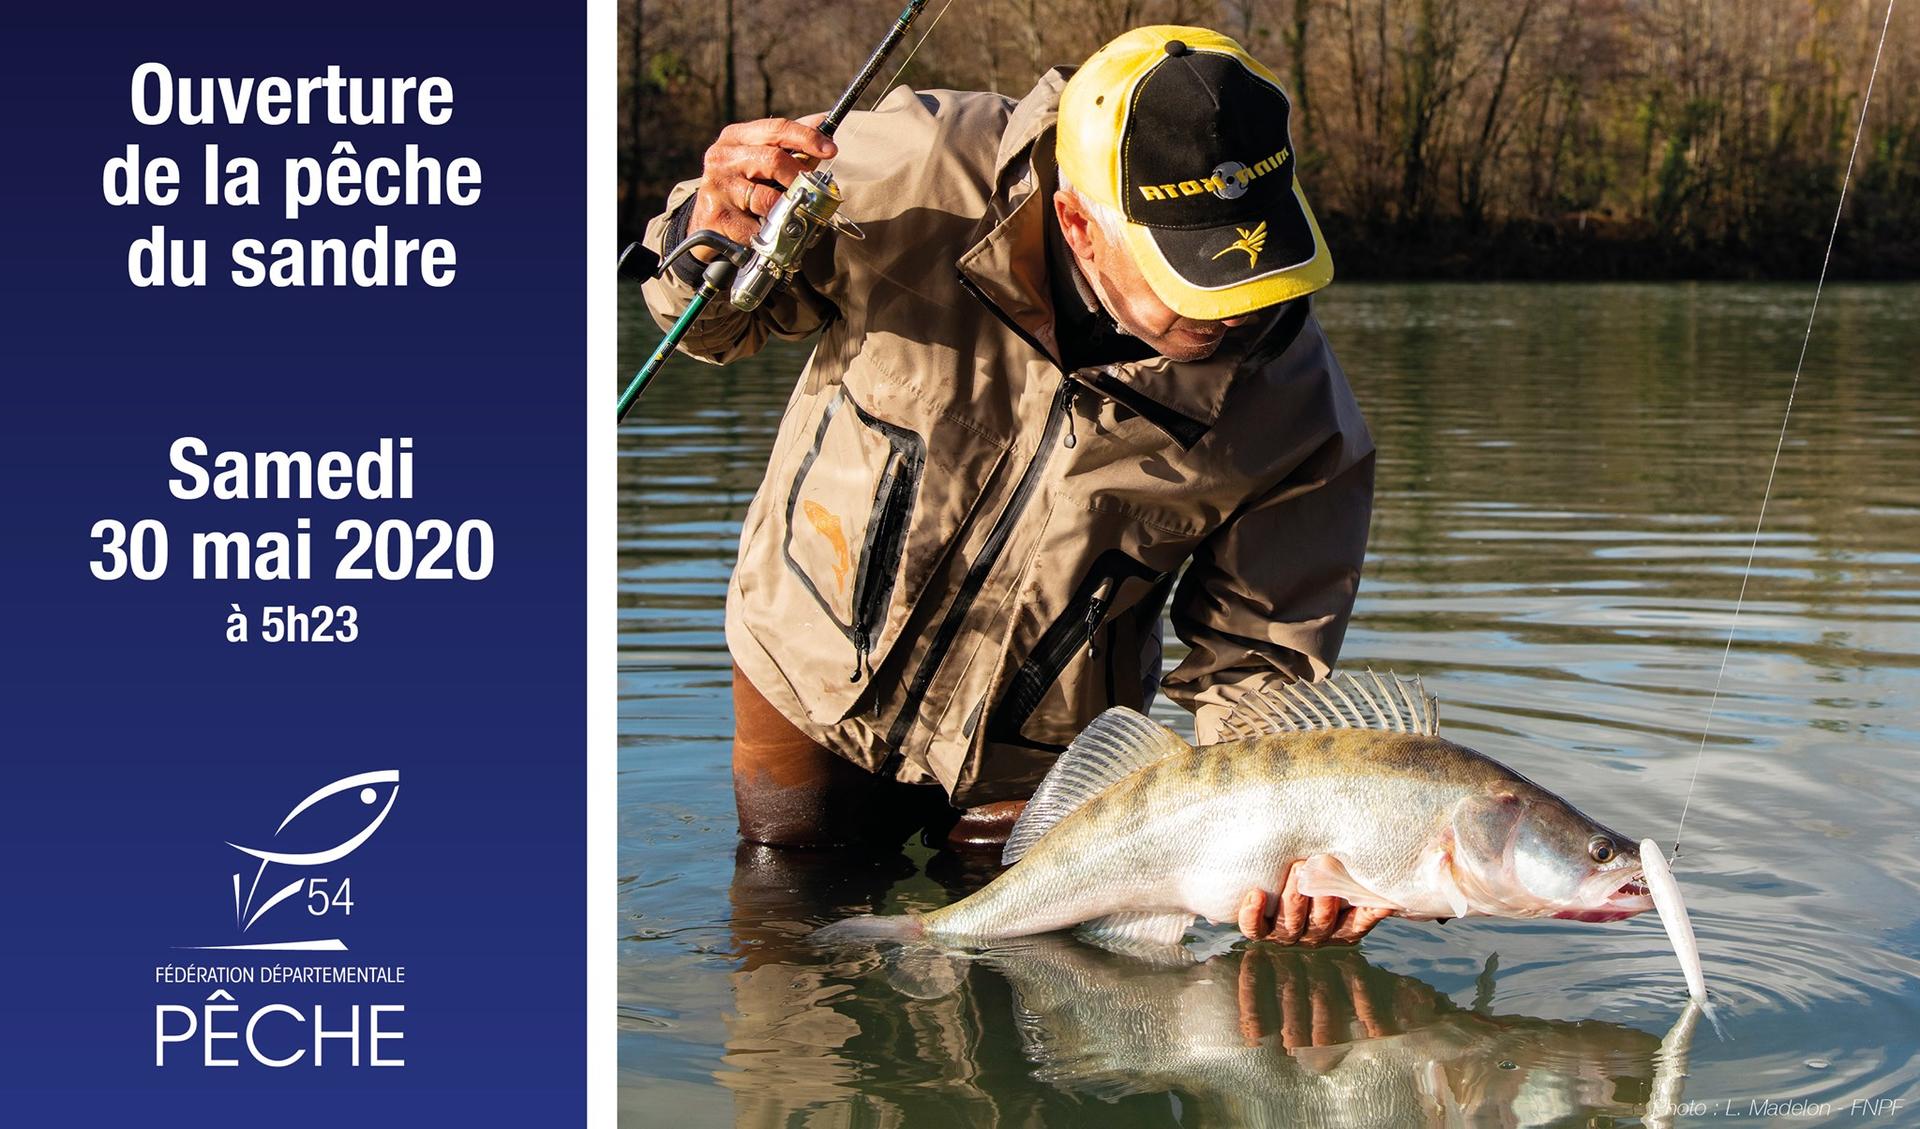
(872, 67)
(717, 280)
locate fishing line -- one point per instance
(1754, 548)
(888, 85)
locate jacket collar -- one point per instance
(1196, 391)
(1007, 266)
(1032, 116)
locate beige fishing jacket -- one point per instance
(959, 553)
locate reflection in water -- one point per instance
(1271, 1036)
(1567, 482)
(1262, 1036)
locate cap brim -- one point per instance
(1206, 286)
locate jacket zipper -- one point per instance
(976, 577)
(882, 554)
(1078, 626)
(1039, 672)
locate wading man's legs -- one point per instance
(791, 792)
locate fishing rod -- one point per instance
(748, 274)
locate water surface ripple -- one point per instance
(1568, 480)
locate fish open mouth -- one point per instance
(1630, 898)
(1625, 900)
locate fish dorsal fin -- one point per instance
(1366, 700)
(1119, 742)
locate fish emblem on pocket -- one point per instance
(827, 523)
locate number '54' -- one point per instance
(321, 901)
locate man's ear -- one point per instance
(1075, 225)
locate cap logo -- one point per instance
(1252, 242)
(1228, 180)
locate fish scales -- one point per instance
(1134, 833)
(1179, 835)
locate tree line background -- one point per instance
(1436, 138)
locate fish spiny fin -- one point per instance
(1118, 743)
(1344, 701)
(1144, 933)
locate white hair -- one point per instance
(1111, 222)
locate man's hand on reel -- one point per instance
(748, 168)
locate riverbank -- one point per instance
(1589, 248)
(1585, 248)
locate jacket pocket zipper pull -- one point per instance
(861, 645)
(1096, 611)
(1071, 440)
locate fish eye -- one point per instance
(1601, 849)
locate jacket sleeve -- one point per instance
(907, 169)
(723, 333)
(1267, 595)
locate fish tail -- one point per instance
(871, 927)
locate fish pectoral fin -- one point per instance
(923, 973)
(1324, 876)
(1148, 936)
(1321, 1060)
(1108, 1087)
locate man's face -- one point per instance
(1126, 295)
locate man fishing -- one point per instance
(1065, 347)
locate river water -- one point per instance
(1568, 482)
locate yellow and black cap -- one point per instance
(1186, 136)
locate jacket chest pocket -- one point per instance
(848, 513)
(1077, 667)
(869, 510)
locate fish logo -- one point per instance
(828, 524)
(1252, 242)
(369, 784)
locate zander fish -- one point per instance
(1134, 833)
